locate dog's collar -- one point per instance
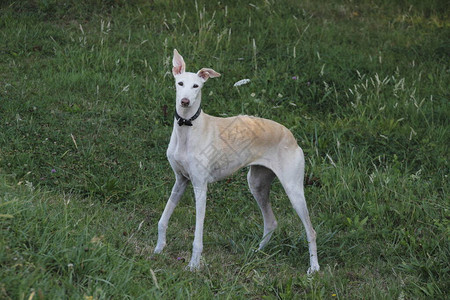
(186, 122)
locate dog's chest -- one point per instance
(178, 159)
(180, 155)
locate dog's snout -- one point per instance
(185, 102)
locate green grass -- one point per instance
(86, 101)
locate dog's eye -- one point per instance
(180, 83)
(195, 86)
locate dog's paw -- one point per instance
(158, 249)
(313, 269)
(194, 264)
(193, 267)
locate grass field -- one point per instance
(86, 112)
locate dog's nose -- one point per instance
(185, 102)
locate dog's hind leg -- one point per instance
(291, 177)
(259, 180)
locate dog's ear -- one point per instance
(178, 63)
(206, 73)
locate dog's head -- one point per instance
(189, 84)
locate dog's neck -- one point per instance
(187, 122)
(184, 133)
(190, 112)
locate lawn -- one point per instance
(86, 113)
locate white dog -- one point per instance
(205, 149)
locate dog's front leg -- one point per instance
(200, 208)
(175, 196)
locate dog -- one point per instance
(205, 149)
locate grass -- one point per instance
(86, 100)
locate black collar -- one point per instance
(186, 122)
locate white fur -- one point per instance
(213, 148)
